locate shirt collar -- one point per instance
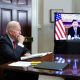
(10, 38)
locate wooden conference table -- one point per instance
(72, 71)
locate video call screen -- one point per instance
(62, 23)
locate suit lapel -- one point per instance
(8, 40)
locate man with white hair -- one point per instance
(11, 45)
(12, 52)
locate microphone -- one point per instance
(28, 39)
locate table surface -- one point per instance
(72, 70)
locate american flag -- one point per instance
(60, 29)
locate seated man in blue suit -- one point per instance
(74, 30)
(12, 52)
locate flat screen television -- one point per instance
(64, 21)
(66, 40)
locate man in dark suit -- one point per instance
(74, 30)
(7, 50)
(12, 52)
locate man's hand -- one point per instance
(21, 38)
(27, 54)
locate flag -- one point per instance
(59, 29)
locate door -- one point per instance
(18, 10)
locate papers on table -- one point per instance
(35, 55)
(25, 63)
(20, 64)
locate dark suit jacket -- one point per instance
(72, 32)
(7, 53)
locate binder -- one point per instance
(51, 65)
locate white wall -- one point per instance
(77, 6)
(66, 5)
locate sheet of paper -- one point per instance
(35, 55)
(20, 64)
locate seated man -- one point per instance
(12, 48)
(74, 30)
(8, 50)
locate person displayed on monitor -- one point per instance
(74, 31)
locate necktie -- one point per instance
(14, 44)
(76, 31)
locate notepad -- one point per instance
(51, 65)
(35, 55)
(20, 64)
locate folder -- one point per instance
(36, 55)
(51, 65)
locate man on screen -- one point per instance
(74, 31)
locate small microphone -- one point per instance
(28, 39)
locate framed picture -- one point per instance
(52, 11)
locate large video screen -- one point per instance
(67, 26)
